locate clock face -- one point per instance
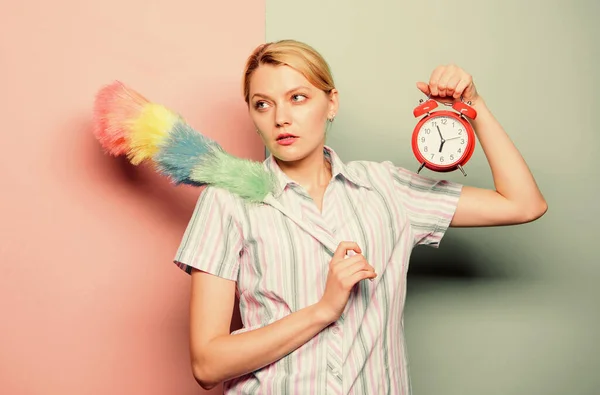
(443, 140)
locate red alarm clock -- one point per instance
(443, 140)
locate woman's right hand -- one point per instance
(344, 273)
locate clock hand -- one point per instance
(439, 132)
(442, 137)
(453, 138)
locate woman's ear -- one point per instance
(333, 103)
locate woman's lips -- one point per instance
(286, 139)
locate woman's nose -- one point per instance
(282, 116)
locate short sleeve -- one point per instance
(430, 204)
(213, 239)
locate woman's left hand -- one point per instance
(448, 83)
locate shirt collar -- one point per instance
(338, 168)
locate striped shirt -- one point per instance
(280, 267)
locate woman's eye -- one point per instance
(299, 97)
(259, 105)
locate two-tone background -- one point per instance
(89, 301)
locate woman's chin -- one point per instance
(288, 153)
(298, 150)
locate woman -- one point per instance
(312, 325)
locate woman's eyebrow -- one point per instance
(286, 93)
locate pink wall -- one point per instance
(90, 301)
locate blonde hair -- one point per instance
(297, 55)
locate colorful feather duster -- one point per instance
(126, 123)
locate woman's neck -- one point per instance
(313, 172)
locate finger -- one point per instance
(358, 276)
(448, 80)
(461, 86)
(349, 270)
(443, 82)
(435, 79)
(452, 84)
(442, 87)
(423, 87)
(344, 264)
(342, 249)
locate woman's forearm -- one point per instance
(230, 356)
(512, 177)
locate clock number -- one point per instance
(462, 141)
(441, 158)
(425, 149)
(432, 155)
(451, 156)
(427, 131)
(459, 131)
(460, 150)
(444, 121)
(422, 139)
(434, 124)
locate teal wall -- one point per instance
(504, 311)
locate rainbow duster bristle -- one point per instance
(181, 152)
(244, 177)
(114, 109)
(126, 123)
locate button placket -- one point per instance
(334, 356)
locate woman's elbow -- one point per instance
(543, 208)
(535, 211)
(203, 375)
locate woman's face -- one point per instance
(289, 112)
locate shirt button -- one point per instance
(335, 330)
